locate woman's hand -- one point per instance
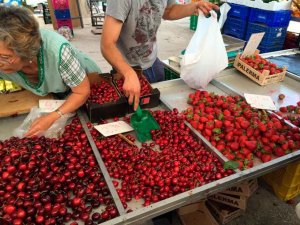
(41, 124)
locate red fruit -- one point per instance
(279, 152)
(283, 109)
(252, 145)
(76, 201)
(262, 127)
(245, 124)
(266, 158)
(9, 209)
(298, 103)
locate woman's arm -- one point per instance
(77, 98)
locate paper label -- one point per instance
(49, 105)
(260, 101)
(253, 43)
(113, 128)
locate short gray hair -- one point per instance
(19, 30)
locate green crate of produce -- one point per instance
(193, 22)
(285, 182)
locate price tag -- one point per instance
(260, 101)
(113, 128)
(253, 43)
(49, 105)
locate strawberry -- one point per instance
(274, 138)
(234, 146)
(209, 125)
(203, 119)
(249, 132)
(291, 108)
(229, 156)
(227, 123)
(245, 124)
(229, 136)
(245, 151)
(252, 145)
(200, 126)
(281, 96)
(266, 158)
(194, 124)
(279, 152)
(226, 112)
(220, 147)
(262, 127)
(298, 103)
(218, 124)
(196, 117)
(283, 109)
(207, 132)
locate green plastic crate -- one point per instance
(170, 74)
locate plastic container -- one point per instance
(273, 35)
(61, 23)
(286, 181)
(62, 14)
(60, 4)
(271, 18)
(97, 112)
(235, 27)
(193, 22)
(239, 11)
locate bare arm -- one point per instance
(175, 12)
(111, 32)
(78, 96)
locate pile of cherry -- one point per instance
(239, 131)
(52, 181)
(103, 92)
(172, 163)
(145, 86)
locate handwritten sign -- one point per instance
(253, 43)
(260, 101)
(113, 128)
(49, 105)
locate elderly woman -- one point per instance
(42, 61)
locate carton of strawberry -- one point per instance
(261, 64)
(259, 69)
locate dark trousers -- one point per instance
(156, 72)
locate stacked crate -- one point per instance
(236, 23)
(62, 13)
(273, 23)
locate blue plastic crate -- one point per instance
(270, 48)
(279, 18)
(235, 27)
(239, 11)
(273, 35)
(62, 14)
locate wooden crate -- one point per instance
(261, 78)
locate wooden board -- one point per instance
(19, 102)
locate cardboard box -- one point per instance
(223, 213)
(246, 188)
(237, 201)
(97, 112)
(196, 214)
(261, 78)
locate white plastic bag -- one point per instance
(205, 55)
(54, 131)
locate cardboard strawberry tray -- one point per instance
(260, 73)
(106, 110)
(149, 96)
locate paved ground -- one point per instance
(263, 207)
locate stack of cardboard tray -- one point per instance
(219, 208)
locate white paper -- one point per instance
(113, 128)
(253, 43)
(49, 105)
(260, 101)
